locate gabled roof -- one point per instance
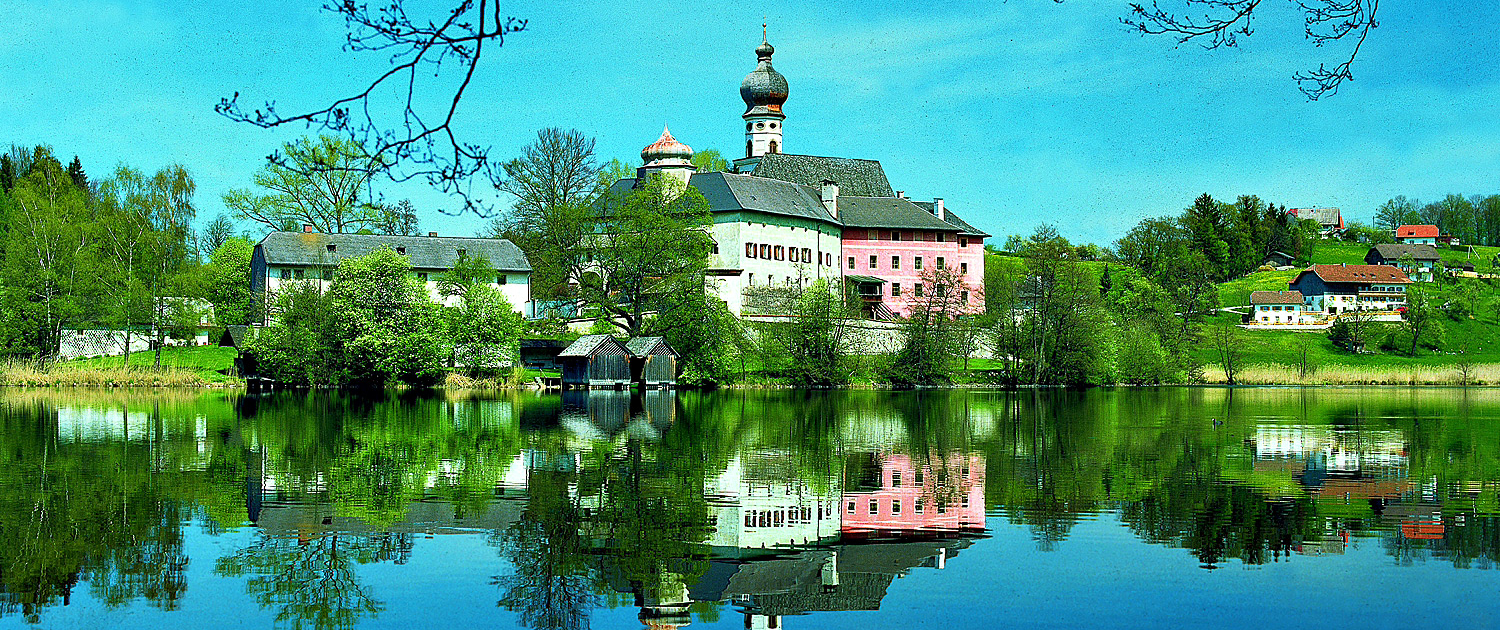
(1418, 231)
(729, 192)
(642, 346)
(964, 227)
(1364, 274)
(1394, 251)
(1276, 297)
(1324, 216)
(888, 212)
(426, 252)
(588, 345)
(862, 178)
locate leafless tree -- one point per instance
(415, 144)
(1224, 22)
(1226, 342)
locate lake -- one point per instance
(1143, 508)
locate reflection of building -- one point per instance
(758, 504)
(890, 493)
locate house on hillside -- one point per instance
(1424, 259)
(282, 258)
(782, 219)
(1418, 234)
(1281, 307)
(1337, 289)
(1331, 220)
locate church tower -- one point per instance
(669, 157)
(764, 90)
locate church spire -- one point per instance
(764, 91)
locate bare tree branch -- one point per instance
(411, 145)
(1225, 21)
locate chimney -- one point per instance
(307, 228)
(938, 209)
(900, 194)
(830, 195)
(432, 233)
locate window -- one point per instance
(765, 251)
(770, 280)
(774, 148)
(940, 262)
(873, 262)
(780, 253)
(851, 262)
(851, 507)
(332, 248)
(963, 242)
(716, 249)
(942, 237)
(917, 288)
(964, 295)
(918, 265)
(874, 235)
(327, 274)
(501, 278)
(297, 273)
(807, 255)
(917, 478)
(895, 236)
(895, 262)
(749, 250)
(792, 254)
(895, 506)
(895, 479)
(286, 274)
(918, 507)
(751, 280)
(895, 289)
(963, 267)
(400, 250)
(874, 506)
(422, 276)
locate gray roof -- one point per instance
(642, 346)
(888, 212)
(864, 178)
(1394, 251)
(587, 344)
(426, 252)
(729, 192)
(963, 226)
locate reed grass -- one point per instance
(32, 374)
(1337, 374)
(515, 379)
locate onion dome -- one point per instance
(666, 147)
(763, 90)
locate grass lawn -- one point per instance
(1237, 292)
(197, 358)
(1339, 252)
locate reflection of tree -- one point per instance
(311, 578)
(552, 586)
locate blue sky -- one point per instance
(1015, 112)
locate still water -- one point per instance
(1133, 509)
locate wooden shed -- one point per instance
(653, 363)
(595, 361)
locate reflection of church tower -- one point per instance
(764, 91)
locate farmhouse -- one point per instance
(1424, 259)
(1418, 234)
(286, 257)
(1281, 307)
(1335, 289)
(1330, 220)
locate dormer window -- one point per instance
(462, 253)
(332, 248)
(400, 250)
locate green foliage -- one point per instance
(817, 339)
(486, 331)
(315, 181)
(707, 337)
(228, 283)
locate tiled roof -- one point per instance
(1385, 274)
(862, 178)
(426, 252)
(888, 212)
(1418, 231)
(1394, 251)
(588, 344)
(963, 226)
(1276, 297)
(1324, 216)
(642, 346)
(728, 192)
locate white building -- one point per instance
(282, 258)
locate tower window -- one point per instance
(748, 126)
(773, 125)
(749, 147)
(760, 125)
(774, 148)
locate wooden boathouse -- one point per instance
(595, 362)
(653, 363)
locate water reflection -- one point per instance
(691, 508)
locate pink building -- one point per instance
(945, 493)
(889, 243)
